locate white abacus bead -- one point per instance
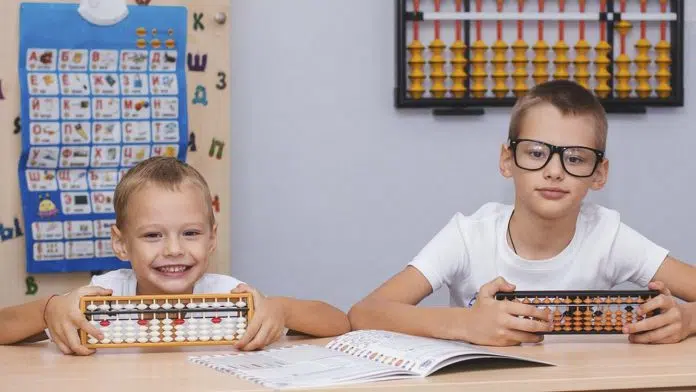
(94, 322)
(142, 328)
(240, 304)
(191, 305)
(92, 307)
(117, 340)
(179, 305)
(192, 333)
(192, 338)
(192, 321)
(154, 306)
(241, 319)
(142, 334)
(154, 333)
(92, 340)
(141, 306)
(104, 307)
(105, 340)
(167, 333)
(217, 338)
(228, 337)
(167, 321)
(130, 327)
(130, 340)
(129, 306)
(180, 338)
(166, 306)
(116, 307)
(130, 334)
(167, 328)
(154, 321)
(117, 334)
(204, 305)
(229, 304)
(142, 339)
(241, 331)
(241, 325)
(167, 339)
(205, 338)
(155, 339)
(216, 304)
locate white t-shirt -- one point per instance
(473, 250)
(123, 283)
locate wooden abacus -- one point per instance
(587, 312)
(167, 320)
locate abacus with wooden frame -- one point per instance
(586, 311)
(167, 320)
(460, 56)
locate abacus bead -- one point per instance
(141, 306)
(216, 304)
(154, 306)
(116, 307)
(105, 340)
(155, 339)
(142, 340)
(92, 307)
(92, 340)
(167, 339)
(179, 305)
(191, 305)
(129, 306)
(117, 340)
(217, 338)
(203, 305)
(104, 307)
(240, 304)
(229, 337)
(130, 340)
(166, 306)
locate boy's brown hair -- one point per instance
(570, 98)
(166, 172)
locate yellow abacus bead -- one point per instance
(417, 75)
(458, 69)
(478, 72)
(500, 88)
(663, 74)
(540, 62)
(520, 73)
(642, 61)
(561, 61)
(582, 74)
(437, 69)
(602, 74)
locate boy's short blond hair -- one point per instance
(165, 172)
(570, 98)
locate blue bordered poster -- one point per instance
(95, 101)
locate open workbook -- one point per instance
(356, 357)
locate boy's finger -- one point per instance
(241, 288)
(95, 290)
(648, 324)
(57, 338)
(523, 337)
(90, 329)
(520, 309)
(655, 335)
(252, 330)
(528, 325)
(260, 340)
(498, 284)
(73, 341)
(659, 302)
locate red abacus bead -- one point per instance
(216, 320)
(142, 322)
(104, 323)
(178, 321)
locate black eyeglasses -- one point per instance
(578, 161)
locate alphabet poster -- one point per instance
(95, 101)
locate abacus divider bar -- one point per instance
(547, 16)
(161, 311)
(578, 293)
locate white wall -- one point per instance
(333, 190)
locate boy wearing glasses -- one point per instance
(550, 239)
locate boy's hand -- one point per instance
(64, 318)
(670, 326)
(266, 326)
(496, 323)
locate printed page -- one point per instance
(412, 353)
(301, 366)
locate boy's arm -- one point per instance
(313, 318)
(392, 307)
(23, 323)
(491, 322)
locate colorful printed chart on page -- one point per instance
(95, 101)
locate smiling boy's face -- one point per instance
(551, 192)
(167, 237)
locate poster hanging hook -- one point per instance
(103, 12)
